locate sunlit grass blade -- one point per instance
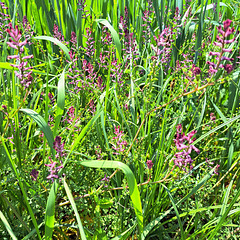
(177, 213)
(114, 36)
(50, 211)
(126, 234)
(43, 126)
(60, 101)
(57, 42)
(70, 197)
(217, 128)
(132, 184)
(9, 229)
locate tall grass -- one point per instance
(113, 97)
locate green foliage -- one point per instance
(106, 85)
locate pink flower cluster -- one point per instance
(118, 147)
(221, 42)
(184, 145)
(15, 42)
(53, 168)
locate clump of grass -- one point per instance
(92, 88)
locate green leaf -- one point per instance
(9, 229)
(114, 35)
(50, 212)
(60, 101)
(70, 197)
(57, 42)
(134, 193)
(43, 126)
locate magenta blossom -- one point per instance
(184, 145)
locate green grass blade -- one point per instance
(176, 211)
(50, 212)
(60, 101)
(217, 128)
(43, 126)
(57, 42)
(9, 229)
(126, 234)
(134, 193)
(225, 213)
(114, 36)
(156, 221)
(70, 197)
(81, 135)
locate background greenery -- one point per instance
(147, 103)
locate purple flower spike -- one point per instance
(221, 42)
(149, 164)
(14, 42)
(58, 146)
(54, 170)
(184, 145)
(105, 179)
(118, 147)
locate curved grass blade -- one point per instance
(81, 135)
(50, 212)
(225, 211)
(70, 197)
(155, 222)
(13, 166)
(9, 229)
(134, 193)
(126, 234)
(114, 35)
(60, 101)
(43, 126)
(176, 211)
(57, 42)
(217, 128)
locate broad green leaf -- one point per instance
(43, 126)
(57, 42)
(114, 35)
(50, 211)
(133, 188)
(60, 101)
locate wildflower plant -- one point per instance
(120, 119)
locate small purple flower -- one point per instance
(149, 164)
(228, 68)
(54, 170)
(119, 143)
(58, 146)
(184, 145)
(196, 70)
(210, 166)
(34, 174)
(212, 117)
(105, 180)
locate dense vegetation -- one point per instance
(119, 119)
